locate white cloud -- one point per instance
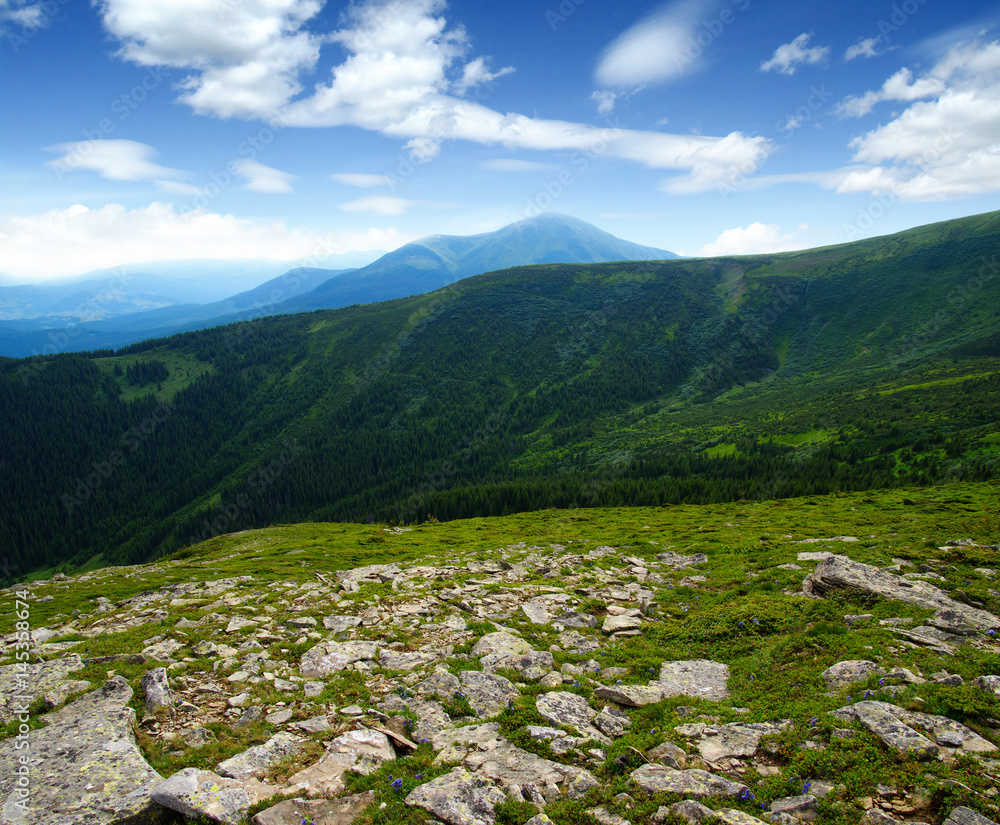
(605, 101)
(361, 180)
(74, 240)
(403, 75)
(787, 58)
(947, 143)
(753, 239)
(245, 57)
(261, 178)
(660, 48)
(475, 74)
(112, 159)
(863, 48)
(22, 12)
(514, 165)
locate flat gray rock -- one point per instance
(699, 784)
(839, 571)
(847, 673)
(257, 761)
(612, 722)
(394, 660)
(578, 620)
(487, 693)
(340, 624)
(696, 677)
(535, 659)
(694, 812)
(572, 710)
(617, 624)
(880, 719)
(94, 772)
(458, 798)
(332, 657)
(193, 793)
(35, 679)
(966, 816)
(631, 696)
(341, 811)
(536, 612)
(360, 750)
(735, 739)
(505, 643)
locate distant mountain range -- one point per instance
(118, 307)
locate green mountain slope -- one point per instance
(865, 365)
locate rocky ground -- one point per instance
(572, 682)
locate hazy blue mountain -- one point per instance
(439, 260)
(413, 269)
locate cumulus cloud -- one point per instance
(787, 58)
(23, 13)
(112, 159)
(659, 48)
(404, 76)
(946, 144)
(261, 178)
(753, 239)
(868, 47)
(70, 241)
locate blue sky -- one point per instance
(135, 130)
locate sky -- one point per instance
(134, 130)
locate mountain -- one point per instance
(870, 364)
(439, 260)
(410, 270)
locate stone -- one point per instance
(94, 772)
(162, 651)
(257, 761)
(501, 642)
(360, 750)
(839, 572)
(572, 710)
(679, 561)
(393, 660)
(668, 754)
(612, 722)
(342, 811)
(314, 724)
(631, 696)
(536, 612)
(617, 624)
(249, 717)
(193, 793)
(458, 798)
(332, 657)
(577, 620)
(487, 693)
(876, 816)
(577, 642)
(535, 659)
(801, 808)
(40, 677)
(204, 650)
(340, 624)
(157, 690)
(849, 672)
(878, 717)
(653, 778)
(697, 677)
(966, 816)
(694, 812)
(991, 684)
(734, 740)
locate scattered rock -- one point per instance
(847, 673)
(157, 691)
(341, 811)
(458, 798)
(257, 761)
(693, 782)
(697, 677)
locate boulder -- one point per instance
(487, 693)
(838, 572)
(880, 719)
(40, 677)
(631, 696)
(653, 778)
(157, 690)
(257, 761)
(697, 677)
(193, 793)
(332, 657)
(572, 710)
(618, 624)
(94, 772)
(359, 750)
(966, 816)
(458, 798)
(341, 811)
(505, 643)
(847, 673)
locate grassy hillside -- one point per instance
(865, 365)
